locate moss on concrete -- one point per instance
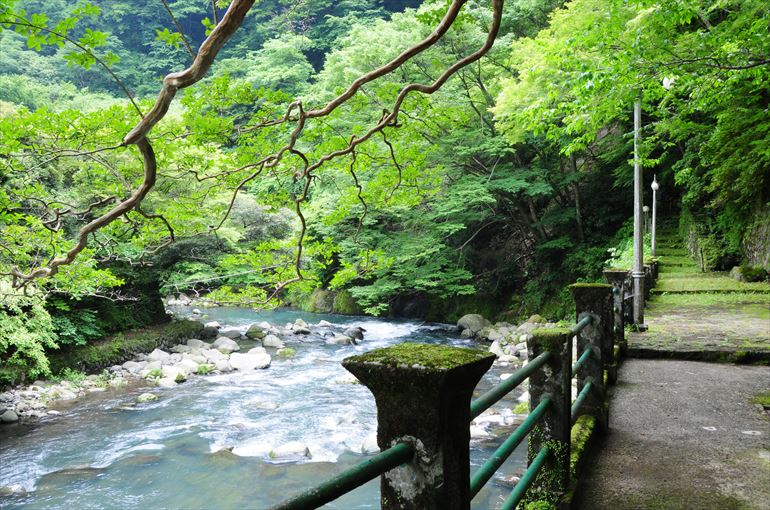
(550, 339)
(438, 357)
(590, 286)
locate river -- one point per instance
(206, 443)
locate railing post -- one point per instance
(595, 299)
(554, 380)
(423, 394)
(618, 279)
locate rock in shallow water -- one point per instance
(226, 345)
(272, 341)
(9, 416)
(250, 361)
(289, 452)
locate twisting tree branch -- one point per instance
(295, 113)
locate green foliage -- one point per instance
(26, 331)
(754, 274)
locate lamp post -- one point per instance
(646, 211)
(637, 273)
(654, 187)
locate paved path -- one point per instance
(683, 435)
(704, 316)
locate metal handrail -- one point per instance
(526, 480)
(350, 479)
(487, 470)
(489, 398)
(581, 324)
(589, 382)
(581, 360)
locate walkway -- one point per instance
(685, 434)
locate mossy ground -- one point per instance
(118, 348)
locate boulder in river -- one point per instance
(250, 361)
(473, 323)
(272, 341)
(158, 355)
(289, 452)
(146, 397)
(232, 333)
(255, 332)
(355, 332)
(226, 345)
(212, 324)
(339, 340)
(197, 344)
(9, 416)
(324, 324)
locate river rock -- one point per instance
(146, 397)
(174, 373)
(188, 366)
(209, 332)
(158, 355)
(300, 323)
(194, 343)
(133, 367)
(213, 355)
(478, 432)
(12, 490)
(339, 340)
(166, 382)
(272, 341)
(496, 349)
(212, 324)
(472, 322)
(181, 348)
(300, 330)
(290, 451)
(250, 360)
(232, 333)
(226, 345)
(9, 416)
(223, 365)
(370, 444)
(356, 332)
(255, 332)
(324, 324)
(198, 359)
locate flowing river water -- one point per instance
(206, 443)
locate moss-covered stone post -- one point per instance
(618, 279)
(648, 283)
(595, 299)
(423, 395)
(553, 380)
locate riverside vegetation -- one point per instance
(487, 195)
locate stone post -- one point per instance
(595, 299)
(554, 379)
(423, 394)
(618, 279)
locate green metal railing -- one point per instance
(350, 479)
(488, 469)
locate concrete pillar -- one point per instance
(423, 394)
(595, 299)
(555, 380)
(618, 281)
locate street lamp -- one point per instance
(637, 273)
(646, 211)
(654, 187)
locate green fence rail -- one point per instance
(350, 479)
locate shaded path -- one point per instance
(683, 435)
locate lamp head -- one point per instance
(654, 184)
